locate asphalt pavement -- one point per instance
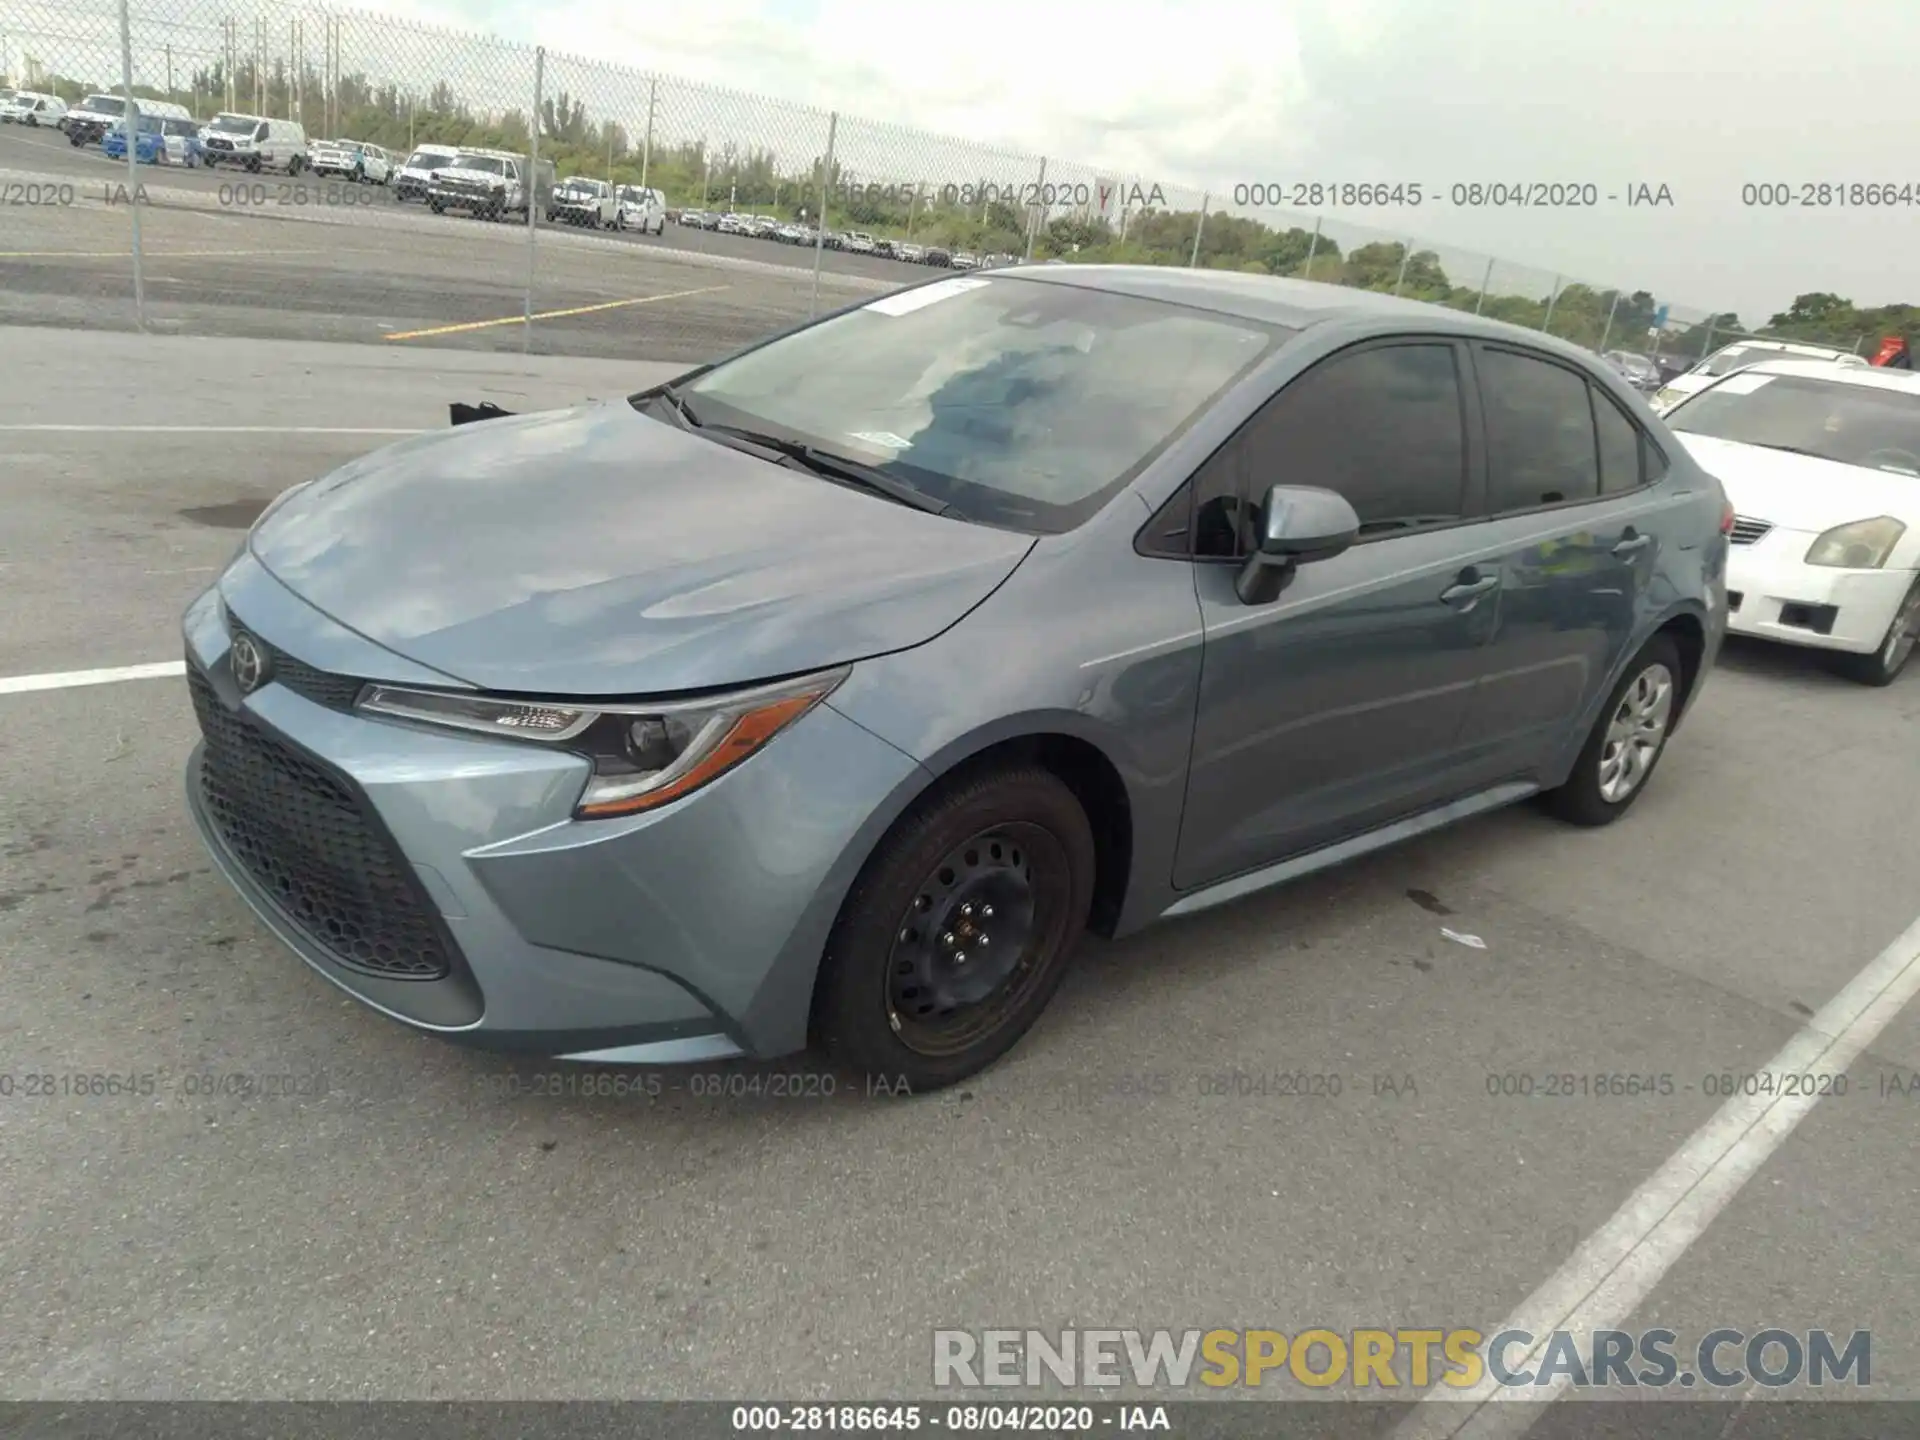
(418, 1221)
(236, 255)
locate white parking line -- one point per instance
(210, 430)
(1606, 1279)
(66, 679)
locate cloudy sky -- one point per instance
(1701, 96)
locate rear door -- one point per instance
(1340, 705)
(1569, 503)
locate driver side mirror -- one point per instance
(1297, 525)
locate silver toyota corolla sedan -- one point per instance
(833, 690)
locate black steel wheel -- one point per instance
(959, 929)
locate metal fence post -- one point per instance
(1406, 254)
(1553, 299)
(1039, 208)
(1199, 228)
(913, 211)
(1607, 333)
(1306, 270)
(646, 148)
(820, 227)
(1485, 281)
(527, 189)
(132, 122)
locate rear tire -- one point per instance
(1627, 740)
(911, 991)
(1884, 665)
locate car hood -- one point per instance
(1801, 492)
(479, 177)
(599, 552)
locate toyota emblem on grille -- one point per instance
(249, 663)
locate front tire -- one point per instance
(1884, 665)
(911, 987)
(1627, 740)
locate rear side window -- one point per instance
(1541, 447)
(1620, 445)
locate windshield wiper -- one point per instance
(843, 468)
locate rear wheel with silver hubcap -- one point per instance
(1626, 741)
(1885, 663)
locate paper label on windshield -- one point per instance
(909, 301)
(1743, 384)
(882, 439)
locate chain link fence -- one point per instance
(768, 212)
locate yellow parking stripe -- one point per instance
(146, 254)
(553, 314)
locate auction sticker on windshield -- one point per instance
(909, 301)
(884, 439)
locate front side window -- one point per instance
(1381, 426)
(1875, 426)
(1017, 402)
(1541, 448)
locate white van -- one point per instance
(31, 107)
(255, 142)
(642, 209)
(410, 181)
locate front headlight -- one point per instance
(1857, 545)
(1667, 396)
(643, 756)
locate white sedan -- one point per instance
(1821, 463)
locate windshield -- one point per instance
(1870, 425)
(107, 104)
(1738, 357)
(467, 161)
(234, 124)
(1017, 402)
(427, 159)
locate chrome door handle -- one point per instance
(1632, 543)
(1470, 590)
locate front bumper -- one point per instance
(1773, 594)
(687, 934)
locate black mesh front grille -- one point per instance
(307, 840)
(336, 692)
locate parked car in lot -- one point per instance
(858, 242)
(912, 254)
(162, 141)
(1237, 585)
(33, 108)
(255, 143)
(415, 177)
(1739, 356)
(964, 260)
(351, 160)
(489, 184)
(641, 208)
(937, 256)
(732, 224)
(1822, 463)
(698, 219)
(1641, 372)
(88, 122)
(579, 200)
(794, 235)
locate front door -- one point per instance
(1340, 705)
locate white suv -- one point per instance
(642, 209)
(1738, 356)
(578, 200)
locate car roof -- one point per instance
(1273, 300)
(1870, 376)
